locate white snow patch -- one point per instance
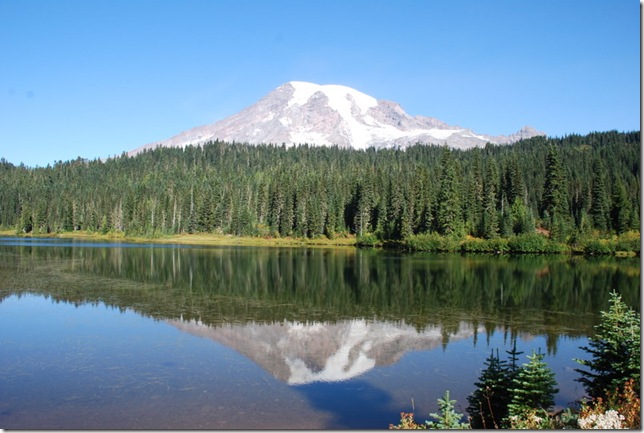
(310, 137)
(338, 96)
(270, 116)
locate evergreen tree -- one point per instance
(554, 201)
(490, 219)
(448, 418)
(488, 404)
(615, 349)
(600, 203)
(534, 387)
(621, 207)
(449, 212)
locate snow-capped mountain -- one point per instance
(299, 112)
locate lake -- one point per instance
(130, 336)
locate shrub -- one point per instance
(368, 240)
(431, 242)
(478, 245)
(535, 243)
(527, 243)
(598, 246)
(629, 242)
(406, 423)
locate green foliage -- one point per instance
(554, 201)
(629, 242)
(534, 387)
(306, 191)
(449, 201)
(431, 242)
(615, 350)
(621, 208)
(477, 245)
(368, 240)
(447, 418)
(488, 404)
(534, 243)
(521, 398)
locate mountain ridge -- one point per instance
(299, 112)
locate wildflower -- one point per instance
(610, 419)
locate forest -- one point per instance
(568, 188)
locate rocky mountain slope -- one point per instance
(299, 112)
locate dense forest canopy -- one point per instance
(574, 184)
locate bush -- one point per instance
(368, 240)
(431, 242)
(478, 245)
(535, 243)
(629, 242)
(598, 246)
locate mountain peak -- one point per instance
(340, 97)
(299, 112)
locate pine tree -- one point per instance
(534, 387)
(448, 418)
(490, 219)
(621, 208)
(449, 213)
(554, 201)
(615, 349)
(600, 203)
(488, 404)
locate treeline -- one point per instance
(568, 187)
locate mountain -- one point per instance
(299, 112)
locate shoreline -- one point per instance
(199, 239)
(347, 241)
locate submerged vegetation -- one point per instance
(571, 194)
(508, 396)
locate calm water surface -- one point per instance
(111, 336)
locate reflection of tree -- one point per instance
(552, 295)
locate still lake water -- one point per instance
(113, 336)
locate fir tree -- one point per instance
(488, 404)
(554, 201)
(621, 207)
(615, 349)
(448, 418)
(534, 387)
(449, 212)
(600, 203)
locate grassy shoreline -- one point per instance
(627, 244)
(200, 239)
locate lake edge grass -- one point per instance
(197, 239)
(593, 245)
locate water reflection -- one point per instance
(302, 353)
(555, 295)
(179, 337)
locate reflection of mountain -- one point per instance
(300, 353)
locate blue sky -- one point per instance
(94, 78)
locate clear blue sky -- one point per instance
(94, 78)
